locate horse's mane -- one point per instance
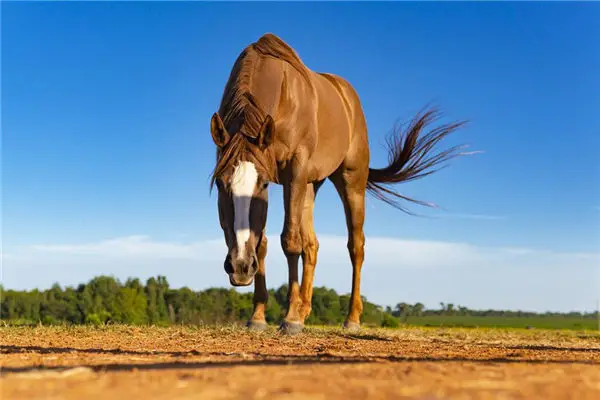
(240, 110)
(273, 46)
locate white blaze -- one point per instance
(243, 183)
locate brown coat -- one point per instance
(281, 122)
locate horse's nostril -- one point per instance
(245, 267)
(228, 267)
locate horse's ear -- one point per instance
(265, 135)
(218, 131)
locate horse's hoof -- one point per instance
(291, 328)
(352, 327)
(256, 325)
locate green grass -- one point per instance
(541, 322)
(444, 321)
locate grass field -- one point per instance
(321, 363)
(468, 321)
(459, 321)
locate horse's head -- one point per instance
(242, 179)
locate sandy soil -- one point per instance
(229, 362)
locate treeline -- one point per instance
(405, 310)
(105, 299)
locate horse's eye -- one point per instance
(265, 185)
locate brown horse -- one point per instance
(281, 122)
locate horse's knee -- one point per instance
(291, 242)
(356, 246)
(313, 244)
(310, 248)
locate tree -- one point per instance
(132, 306)
(450, 308)
(157, 311)
(418, 309)
(402, 310)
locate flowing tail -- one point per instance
(410, 158)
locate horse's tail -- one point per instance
(410, 158)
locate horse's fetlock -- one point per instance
(305, 310)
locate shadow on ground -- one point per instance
(258, 359)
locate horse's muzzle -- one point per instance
(239, 281)
(241, 272)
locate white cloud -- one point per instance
(140, 246)
(469, 153)
(395, 270)
(472, 216)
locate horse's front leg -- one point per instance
(294, 193)
(261, 295)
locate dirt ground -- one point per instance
(226, 363)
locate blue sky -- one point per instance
(105, 128)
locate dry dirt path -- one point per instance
(228, 363)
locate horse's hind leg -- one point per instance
(350, 184)
(257, 320)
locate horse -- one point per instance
(280, 122)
